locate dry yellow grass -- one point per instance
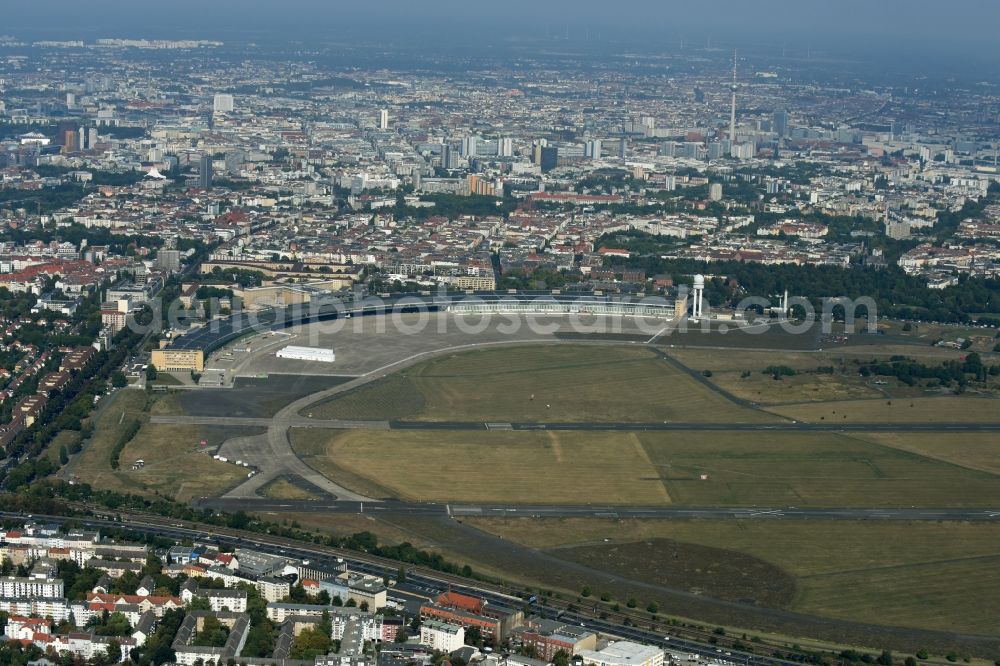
(692, 468)
(174, 464)
(958, 409)
(490, 466)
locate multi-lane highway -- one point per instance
(421, 580)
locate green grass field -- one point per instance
(285, 489)
(890, 573)
(570, 383)
(976, 451)
(767, 469)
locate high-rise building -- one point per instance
(548, 158)
(743, 151)
(447, 156)
(715, 192)
(92, 138)
(779, 123)
(168, 260)
(71, 141)
(592, 149)
(223, 104)
(469, 146)
(732, 114)
(70, 100)
(622, 148)
(505, 147)
(234, 162)
(383, 119)
(205, 172)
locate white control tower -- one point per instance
(699, 294)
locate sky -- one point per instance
(923, 30)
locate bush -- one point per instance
(126, 437)
(779, 371)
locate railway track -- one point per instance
(596, 616)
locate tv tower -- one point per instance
(732, 113)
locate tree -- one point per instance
(311, 643)
(653, 607)
(474, 636)
(213, 633)
(401, 575)
(922, 653)
(150, 373)
(63, 455)
(118, 379)
(116, 624)
(885, 659)
(199, 603)
(528, 650)
(298, 594)
(114, 652)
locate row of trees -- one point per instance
(910, 371)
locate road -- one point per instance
(289, 419)
(430, 582)
(261, 504)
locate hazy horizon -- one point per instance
(923, 31)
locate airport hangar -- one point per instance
(187, 352)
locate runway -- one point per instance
(793, 426)
(587, 511)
